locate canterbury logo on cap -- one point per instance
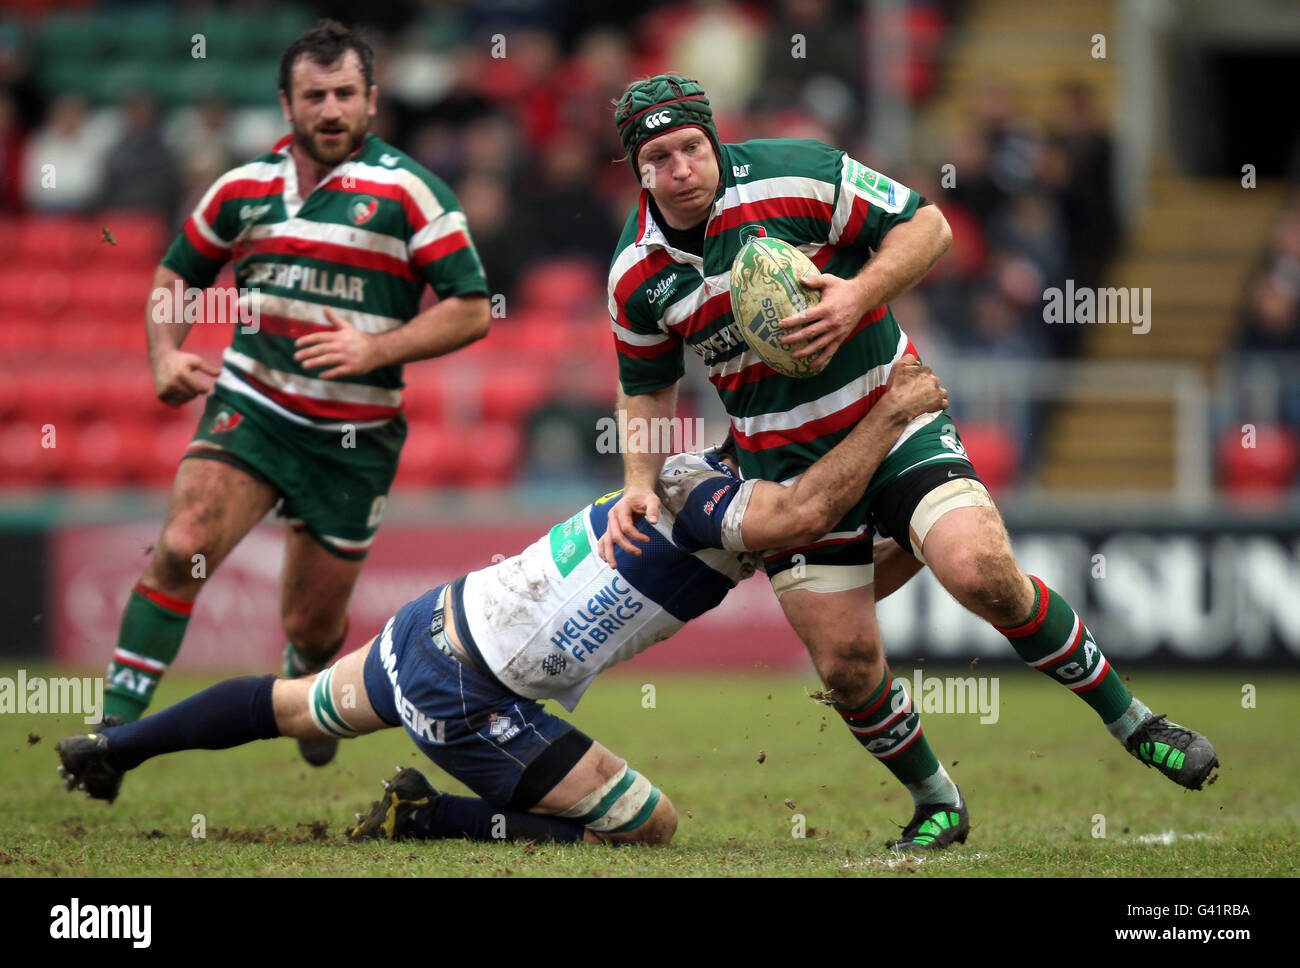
(658, 119)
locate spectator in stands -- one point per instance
(495, 225)
(826, 81)
(63, 167)
(140, 174)
(1013, 144)
(1271, 319)
(199, 138)
(1082, 151)
(571, 220)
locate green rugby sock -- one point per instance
(889, 728)
(153, 626)
(1056, 642)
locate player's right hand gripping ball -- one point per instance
(765, 289)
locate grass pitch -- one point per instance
(742, 757)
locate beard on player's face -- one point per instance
(314, 138)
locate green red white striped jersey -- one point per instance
(837, 211)
(363, 243)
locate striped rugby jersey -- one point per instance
(363, 243)
(837, 211)
(546, 621)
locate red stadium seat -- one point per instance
(1268, 468)
(511, 394)
(60, 240)
(24, 461)
(493, 456)
(63, 396)
(24, 293)
(422, 398)
(169, 441)
(543, 338)
(106, 452)
(993, 451)
(562, 287)
(111, 292)
(433, 456)
(141, 241)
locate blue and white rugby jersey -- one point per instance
(547, 621)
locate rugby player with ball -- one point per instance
(463, 667)
(671, 285)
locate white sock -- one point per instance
(1131, 719)
(937, 788)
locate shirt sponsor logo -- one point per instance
(251, 213)
(569, 543)
(740, 171)
(606, 612)
(419, 725)
(322, 282)
(660, 288)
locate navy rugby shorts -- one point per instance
(507, 749)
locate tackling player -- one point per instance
(334, 234)
(463, 667)
(871, 239)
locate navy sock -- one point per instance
(230, 713)
(475, 819)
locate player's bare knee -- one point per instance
(661, 826)
(850, 668)
(181, 558)
(988, 582)
(311, 632)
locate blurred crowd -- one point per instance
(510, 102)
(527, 142)
(1259, 444)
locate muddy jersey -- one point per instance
(547, 621)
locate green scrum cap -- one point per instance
(660, 104)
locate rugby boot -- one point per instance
(1182, 754)
(85, 766)
(934, 826)
(388, 818)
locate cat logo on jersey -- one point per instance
(363, 209)
(226, 421)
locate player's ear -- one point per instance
(372, 100)
(284, 106)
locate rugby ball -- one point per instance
(765, 289)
